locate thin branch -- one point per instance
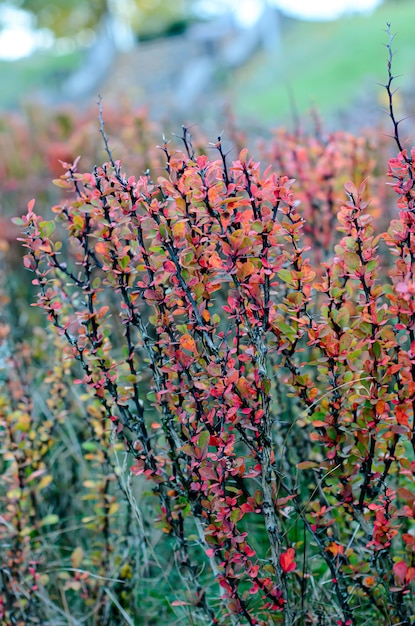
(391, 92)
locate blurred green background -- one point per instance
(193, 58)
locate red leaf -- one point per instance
(287, 561)
(29, 262)
(399, 569)
(306, 465)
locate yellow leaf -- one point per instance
(75, 585)
(113, 508)
(90, 484)
(44, 482)
(246, 269)
(14, 494)
(76, 557)
(243, 387)
(23, 421)
(49, 520)
(181, 204)
(126, 571)
(64, 184)
(179, 230)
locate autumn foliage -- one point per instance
(251, 391)
(240, 346)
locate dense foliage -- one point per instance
(221, 429)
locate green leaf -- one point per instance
(287, 330)
(199, 290)
(47, 228)
(371, 265)
(352, 260)
(285, 276)
(266, 385)
(349, 243)
(151, 396)
(348, 376)
(343, 317)
(203, 440)
(188, 449)
(163, 230)
(257, 227)
(124, 261)
(235, 515)
(49, 520)
(89, 446)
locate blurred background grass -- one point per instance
(330, 65)
(333, 66)
(22, 80)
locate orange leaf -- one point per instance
(188, 343)
(380, 407)
(100, 247)
(214, 260)
(335, 548)
(401, 416)
(246, 269)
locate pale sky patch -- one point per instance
(18, 38)
(325, 9)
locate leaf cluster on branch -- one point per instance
(249, 340)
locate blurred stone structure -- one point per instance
(172, 73)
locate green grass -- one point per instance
(20, 80)
(327, 64)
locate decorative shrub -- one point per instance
(252, 349)
(271, 409)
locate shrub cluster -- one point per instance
(231, 378)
